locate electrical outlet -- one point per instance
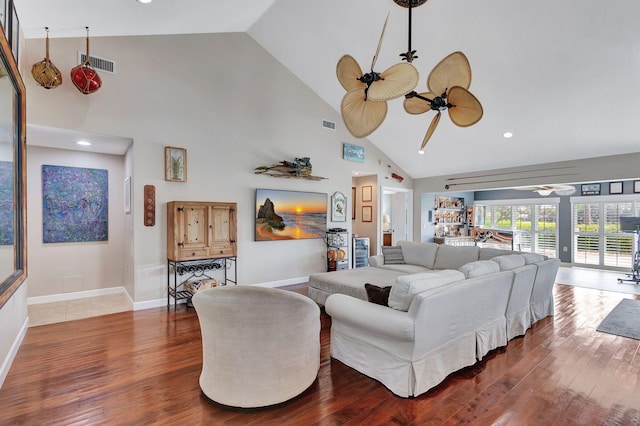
(565, 249)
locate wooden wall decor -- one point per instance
(149, 205)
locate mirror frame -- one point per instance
(9, 286)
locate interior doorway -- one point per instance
(396, 215)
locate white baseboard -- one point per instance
(147, 304)
(63, 297)
(283, 283)
(6, 364)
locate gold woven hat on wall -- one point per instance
(44, 72)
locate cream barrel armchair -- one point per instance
(260, 346)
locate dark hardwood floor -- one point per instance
(142, 368)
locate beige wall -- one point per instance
(233, 107)
(367, 229)
(71, 267)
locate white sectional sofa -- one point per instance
(447, 307)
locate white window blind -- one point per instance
(597, 238)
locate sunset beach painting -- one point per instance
(290, 215)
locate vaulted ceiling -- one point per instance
(562, 76)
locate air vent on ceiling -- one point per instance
(101, 64)
(328, 124)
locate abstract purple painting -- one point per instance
(6, 203)
(75, 204)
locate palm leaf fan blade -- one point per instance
(361, 116)
(454, 70)
(348, 72)
(415, 105)
(467, 109)
(430, 130)
(395, 81)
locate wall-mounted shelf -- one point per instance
(449, 216)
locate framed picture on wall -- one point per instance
(590, 189)
(127, 195)
(175, 164)
(367, 212)
(338, 207)
(636, 186)
(615, 187)
(366, 193)
(353, 203)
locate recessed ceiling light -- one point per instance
(507, 135)
(83, 143)
(144, 1)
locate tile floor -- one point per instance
(596, 278)
(49, 313)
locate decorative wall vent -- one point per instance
(102, 64)
(330, 125)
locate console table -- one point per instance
(181, 271)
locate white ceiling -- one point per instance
(563, 76)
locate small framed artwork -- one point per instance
(353, 152)
(175, 164)
(13, 29)
(353, 203)
(636, 186)
(615, 187)
(338, 207)
(590, 189)
(3, 12)
(127, 195)
(366, 193)
(367, 212)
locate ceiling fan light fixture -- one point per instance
(144, 1)
(421, 151)
(507, 135)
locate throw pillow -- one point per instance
(392, 255)
(407, 286)
(377, 295)
(479, 268)
(509, 262)
(530, 258)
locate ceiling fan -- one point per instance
(447, 83)
(364, 106)
(546, 190)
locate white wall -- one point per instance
(13, 326)
(70, 267)
(233, 107)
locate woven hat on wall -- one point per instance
(84, 76)
(44, 72)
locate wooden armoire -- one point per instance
(201, 230)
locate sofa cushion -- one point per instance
(392, 255)
(453, 257)
(488, 253)
(479, 268)
(423, 254)
(405, 268)
(509, 262)
(377, 295)
(407, 286)
(530, 258)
